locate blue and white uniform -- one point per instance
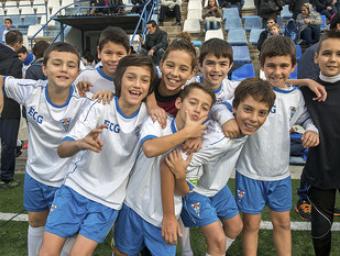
(139, 223)
(97, 180)
(208, 173)
(47, 126)
(97, 78)
(265, 157)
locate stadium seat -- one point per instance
(230, 12)
(194, 15)
(241, 55)
(192, 26)
(26, 10)
(243, 72)
(10, 3)
(298, 52)
(232, 23)
(32, 29)
(194, 5)
(53, 3)
(12, 11)
(323, 25)
(155, 17)
(216, 33)
(237, 37)
(285, 13)
(67, 2)
(293, 75)
(250, 22)
(24, 3)
(255, 35)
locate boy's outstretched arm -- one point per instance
(90, 142)
(156, 112)
(160, 145)
(319, 90)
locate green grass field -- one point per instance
(13, 234)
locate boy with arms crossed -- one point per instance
(88, 202)
(322, 167)
(52, 109)
(262, 176)
(208, 201)
(139, 222)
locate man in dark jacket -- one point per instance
(10, 65)
(156, 42)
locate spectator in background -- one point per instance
(264, 34)
(35, 71)
(26, 57)
(87, 61)
(10, 65)
(268, 8)
(326, 7)
(156, 42)
(295, 7)
(308, 22)
(8, 25)
(170, 8)
(138, 6)
(232, 3)
(212, 15)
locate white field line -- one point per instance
(267, 225)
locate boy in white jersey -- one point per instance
(112, 46)
(262, 176)
(105, 137)
(208, 201)
(52, 109)
(139, 223)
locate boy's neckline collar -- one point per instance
(71, 91)
(103, 74)
(120, 111)
(329, 79)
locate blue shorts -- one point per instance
(72, 213)
(199, 210)
(252, 195)
(37, 196)
(132, 233)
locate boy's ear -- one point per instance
(316, 58)
(98, 52)
(178, 103)
(44, 69)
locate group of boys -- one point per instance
(128, 170)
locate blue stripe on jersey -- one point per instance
(217, 90)
(121, 112)
(173, 126)
(228, 105)
(102, 74)
(71, 91)
(284, 91)
(147, 137)
(68, 138)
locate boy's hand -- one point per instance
(231, 129)
(192, 145)
(158, 114)
(195, 128)
(170, 229)
(83, 87)
(104, 96)
(92, 141)
(177, 164)
(310, 139)
(319, 90)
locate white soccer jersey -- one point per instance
(103, 177)
(211, 167)
(47, 126)
(97, 78)
(144, 189)
(266, 154)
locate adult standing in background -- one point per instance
(268, 8)
(170, 8)
(8, 25)
(10, 65)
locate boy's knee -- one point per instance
(281, 224)
(217, 242)
(37, 220)
(232, 231)
(251, 226)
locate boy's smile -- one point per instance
(214, 70)
(277, 70)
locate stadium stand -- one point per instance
(237, 37)
(233, 22)
(217, 33)
(255, 35)
(252, 21)
(243, 72)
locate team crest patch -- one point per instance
(66, 123)
(53, 207)
(240, 194)
(292, 112)
(197, 208)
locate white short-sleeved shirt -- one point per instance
(47, 126)
(211, 167)
(97, 78)
(266, 154)
(144, 189)
(103, 177)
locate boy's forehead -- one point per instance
(329, 43)
(254, 103)
(213, 57)
(200, 95)
(65, 56)
(113, 46)
(279, 59)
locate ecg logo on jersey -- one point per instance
(66, 123)
(197, 208)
